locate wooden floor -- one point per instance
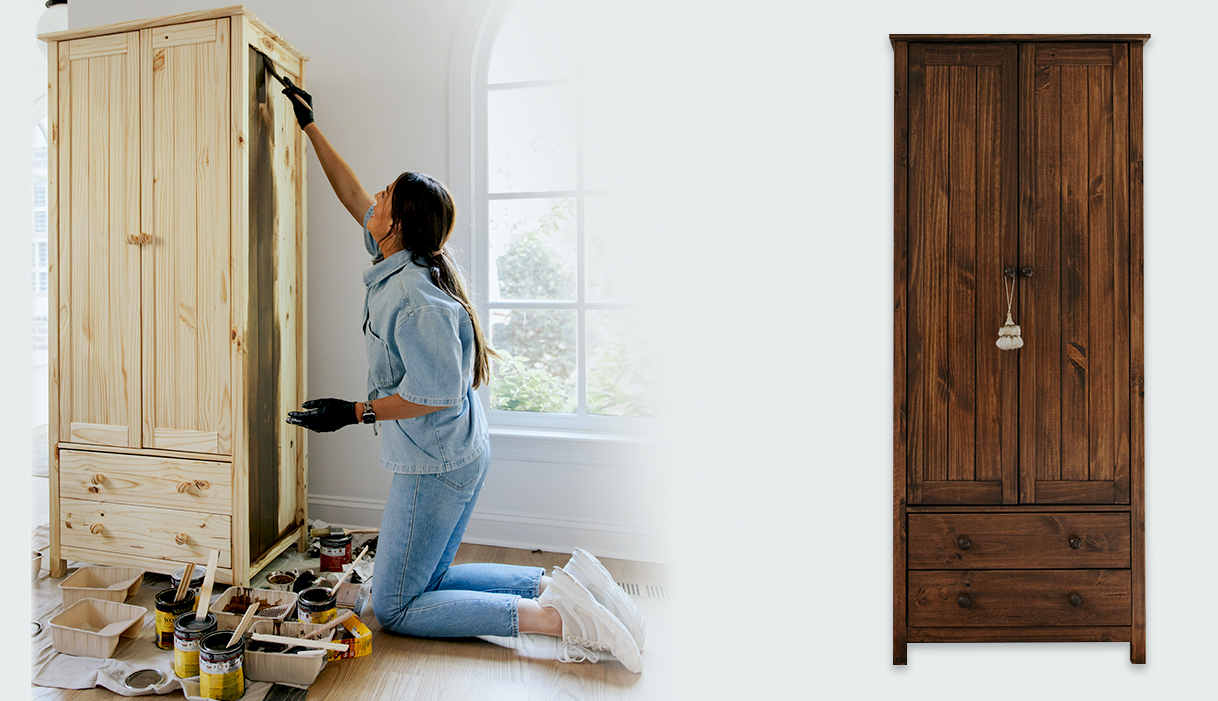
(507, 669)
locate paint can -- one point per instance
(220, 674)
(281, 581)
(335, 552)
(166, 611)
(187, 633)
(316, 605)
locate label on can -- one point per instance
(324, 616)
(164, 629)
(221, 679)
(186, 658)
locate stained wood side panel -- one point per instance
(961, 273)
(1121, 270)
(915, 379)
(900, 397)
(935, 292)
(1102, 274)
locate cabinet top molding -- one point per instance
(217, 13)
(894, 38)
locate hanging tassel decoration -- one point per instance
(1009, 336)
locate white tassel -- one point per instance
(1009, 336)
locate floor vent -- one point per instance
(645, 591)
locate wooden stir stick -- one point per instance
(246, 621)
(300, 642)
(209, 580)
(185, 583)
(350, 569)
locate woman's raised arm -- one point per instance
(346, 185)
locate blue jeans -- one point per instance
(415, 590)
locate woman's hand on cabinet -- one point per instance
(324, 415)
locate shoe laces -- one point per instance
(575, 649)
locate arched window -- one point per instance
(550, 281)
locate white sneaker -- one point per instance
(592, 574)
(588, 627)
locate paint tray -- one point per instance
(272, 598)
(106, 583)
(300, 667)
(92, 627)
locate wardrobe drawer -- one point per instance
(1019, 541)
(163, 534)
(191, 485)
(1020, 598)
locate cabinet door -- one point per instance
(1074, 372)
(187, 371)
(961, 389)
(99, 254)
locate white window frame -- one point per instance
(476, 34)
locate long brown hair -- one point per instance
(423, 215)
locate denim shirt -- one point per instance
(420, 345)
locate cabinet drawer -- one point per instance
(1018, 541)
(191, 485)
(1020, 598)
(145, 532)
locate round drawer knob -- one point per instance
(95, 528)
(1076, 542)
(964, 601)
(182, 539)
(1076, 600)
(97, 478)
(183, 486)
(964, 543)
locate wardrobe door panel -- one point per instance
(961, 388)
(1074, 374)
(99, 252)
(186, 310)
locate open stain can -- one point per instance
(166, 611)
(335, 552)
(187, 634)
(221, 675)
(317, 605)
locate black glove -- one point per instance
(324, 415)
(304, 113)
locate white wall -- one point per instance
(378, 72)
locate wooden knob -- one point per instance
(146, 238)
(964, 601)
(95, 528)
(182, 539)
(183, 486)
(1076, 542)
(133, 239)
(97, 478)
(1076, 600)
(964, 543)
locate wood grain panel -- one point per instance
(189, 261)
(192, 485)
(1018, 541)
(963, 54)
(144, 531)
(1102, 322)
(899, 322)
(239, 173)
(271, 45)
(97, 47)
(56, 564)
(935, 292)
(1121, 270)
(99, 269)
(961, 273)
(300, 438)
(1073, 54)
(1076, 492)
(103, 434)
(945, 492)
(916, 315)
(1137, 456)
(148, 564)
(1019, 598)
(189, 33)
(1010, 634)
(1075, 296)
(189, 441)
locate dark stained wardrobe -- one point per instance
(1018, 474)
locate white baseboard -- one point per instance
(512, 530)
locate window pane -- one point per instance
(531, 139)
(532, 252)
(619, 383)
(538, 369)
(535, 43)
(611, 252)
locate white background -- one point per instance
(763, 134)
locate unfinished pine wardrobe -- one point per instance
(1018, 474)
(176, 222)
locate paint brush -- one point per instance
(246, 621)
(209, 581)
(350, 569)
(185, 583)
